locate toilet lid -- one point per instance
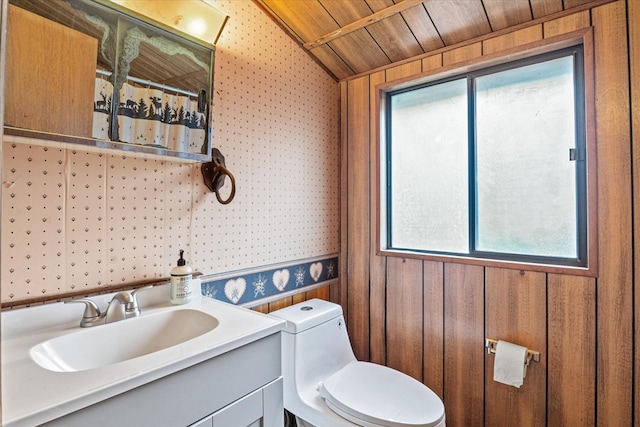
(381, 396)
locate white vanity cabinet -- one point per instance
(242, 387)
(262, 408)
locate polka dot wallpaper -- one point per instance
(75, 220)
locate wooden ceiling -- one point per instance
(349, 37)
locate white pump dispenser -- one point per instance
(181, 282)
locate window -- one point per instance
(490, 164)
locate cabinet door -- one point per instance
(50, 76)
(273, 404)
(242, 412)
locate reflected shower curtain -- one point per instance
(101, 108)
(151, 117)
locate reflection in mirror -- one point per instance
(158, 104)
(101, 75)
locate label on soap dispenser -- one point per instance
(180, 289)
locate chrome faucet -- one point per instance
(123, 305)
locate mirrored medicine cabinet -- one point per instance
(91, 72)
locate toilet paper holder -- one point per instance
(531, 354)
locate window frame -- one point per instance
(586, 188)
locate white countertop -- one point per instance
(33, 395)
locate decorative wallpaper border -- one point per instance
(254, 286)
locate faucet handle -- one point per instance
(133, 305)
(91, 309)
(136, 291)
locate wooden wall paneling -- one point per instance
(377, 307)
(462, 53)
(377, 264)
(509, 40)
(571, 360)
(358, 216)
(405, 316)
(464, 344)
(263, 308)
(404, 70)
(321, 293)
(571, 299)
(515, 311)
(281, 303)
(339, 293)
(433, 314)
(614, 290)
(633, 10)
(566, 24)
(302, 296)
(431, 63)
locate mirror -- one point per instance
(82, 71)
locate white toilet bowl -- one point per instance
(324, 384)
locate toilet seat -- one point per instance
(374, 395)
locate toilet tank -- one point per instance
(315, 343)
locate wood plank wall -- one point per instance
(633, 10)
(322, 293)
(429, 319)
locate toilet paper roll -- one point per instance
(509, 365)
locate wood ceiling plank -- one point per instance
(393, 34)
(361, 23)
(378, 5)
(395, 38)
(336, 66)
(307, 19)
(568, 4)
(458, 20)
(545, 7)
(359, 51)
(347, 12)
(503, 14)
(359, 36)
(422, 28)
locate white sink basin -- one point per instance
(116, 342)
(51, 367)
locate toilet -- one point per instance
(325, 386)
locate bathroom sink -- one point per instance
(52, 368)
(116, 342)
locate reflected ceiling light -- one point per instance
(193, 17)
(197, 27)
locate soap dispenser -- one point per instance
(181, 281)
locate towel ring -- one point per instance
(214, 173)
